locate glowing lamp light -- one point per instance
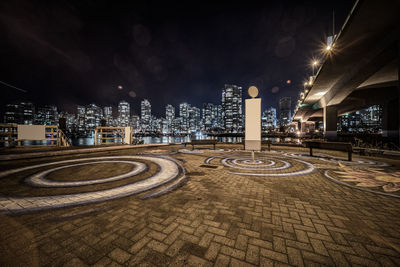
(328, 48)
(315, 63)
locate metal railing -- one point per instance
(53, 136)
(112, 135)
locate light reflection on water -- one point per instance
(88, 141)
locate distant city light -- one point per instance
(288, 81)
(120, 87)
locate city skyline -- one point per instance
(187, 120)
(223, 117)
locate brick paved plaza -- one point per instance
(179, 207)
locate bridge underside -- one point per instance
(361, 71)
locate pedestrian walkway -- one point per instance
(214, 208)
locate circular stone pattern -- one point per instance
(328, 158)
(39, 179)
(273, 167)
(169, 170)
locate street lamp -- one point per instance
(314, 64)
(328, 48)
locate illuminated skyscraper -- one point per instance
(285, 111)
(184, 110)
(70, 121)
(93, 117)
(365, 120)
(194, 119)
(124, 113)
(169, 118)
(269, 119)
(208, 116)
(232, 108)
(219, 117)
(20, 113)
(80, 118)
(169, 113)
(108, 116)
(135, 123)
(47, 115)
(145, 115)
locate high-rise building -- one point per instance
(232, 108)
(268, 119)
(93, 117)
(169, 113)
(219, 117)
(369, 119)
(145, 115)
(194, 119)
(70, 121)
(285, 111)
(46, 115)
(212, 118)
(108, 116)
(135, 123)
(20, 113)
(184, 110)
(80, 119)
(177, 125)
(124, 113)
(372, 118)
(209, 116)
(169, 118)
(156, 125)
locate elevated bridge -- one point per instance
(362, 69)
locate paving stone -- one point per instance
(212, 251)
(222, 260)
(119, 255)
(218, 219)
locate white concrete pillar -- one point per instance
(330, 122)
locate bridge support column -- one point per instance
(303, 127)
(391, 120)
(391, 111)
(307, 127)
(330, 122)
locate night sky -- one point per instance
(79, 52)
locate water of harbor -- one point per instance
(89, 141)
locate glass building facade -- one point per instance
(232, 108)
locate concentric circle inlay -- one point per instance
(169, 170)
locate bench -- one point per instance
(263, 142)
(202, 142)
(338, 146)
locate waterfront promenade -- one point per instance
(167, 205)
